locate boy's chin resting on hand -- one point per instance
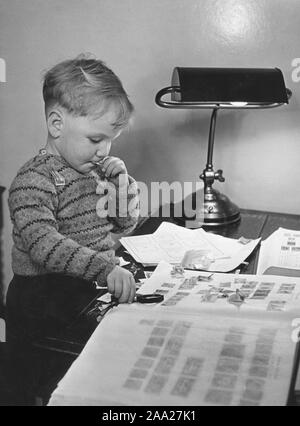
(121, 284)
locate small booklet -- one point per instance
(215, 339)
(280, 254)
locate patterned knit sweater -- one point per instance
(60, 220)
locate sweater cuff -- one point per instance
(102, 276)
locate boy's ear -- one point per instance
(55, 122)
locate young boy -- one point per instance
(66, 201)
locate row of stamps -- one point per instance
(232, 355)
(167, 339)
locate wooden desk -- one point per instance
(254, 224)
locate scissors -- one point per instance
(142, 298)
(139, 298)
(149, 298)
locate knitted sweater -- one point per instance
(60, 220)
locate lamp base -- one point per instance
(219, 210)
(214, 210)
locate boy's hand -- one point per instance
(121, 284)
(113, 167)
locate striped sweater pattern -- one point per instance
(57, 225)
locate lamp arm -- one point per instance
(209, 175)
(165, 91)
(211, 139)
(182, 105)
(208, 105)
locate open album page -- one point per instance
(156, 357)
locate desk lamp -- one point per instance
(222, 88)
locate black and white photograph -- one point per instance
(149, 216)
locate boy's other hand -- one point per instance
(121, 284)
(113, 167)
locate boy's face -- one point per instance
(85, 140)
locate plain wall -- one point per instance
(142, 41)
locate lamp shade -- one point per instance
(228, 85)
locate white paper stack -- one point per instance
(170, 242)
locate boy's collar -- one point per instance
(44, 152)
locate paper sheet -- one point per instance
(170, 242)
(279, 252)
(271, 294)
(234, 252)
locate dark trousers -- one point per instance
(38, 307)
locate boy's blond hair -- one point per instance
(86, 86)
